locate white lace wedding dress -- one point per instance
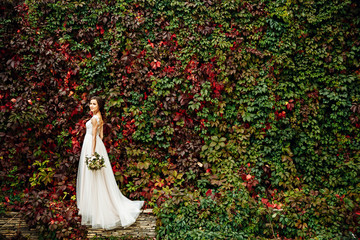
(100, 202)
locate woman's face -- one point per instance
(94, 107)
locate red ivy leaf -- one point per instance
(155, 64)
(209, 192)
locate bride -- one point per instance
(100, 202)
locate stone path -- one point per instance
(144, 227)
(11, 224)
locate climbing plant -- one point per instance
(233, 119)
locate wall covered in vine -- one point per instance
(233, 119)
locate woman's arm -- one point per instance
(102, 132)
(94, 129)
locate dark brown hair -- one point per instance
(101, 104)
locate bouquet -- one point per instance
(95, 162)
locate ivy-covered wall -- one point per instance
(234, 119)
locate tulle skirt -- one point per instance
(100, 202)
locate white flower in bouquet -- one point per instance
(95, 162)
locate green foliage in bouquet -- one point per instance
(95, 162)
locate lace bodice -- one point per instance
(89, 126)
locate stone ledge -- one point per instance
(11, 223)
(143, 227)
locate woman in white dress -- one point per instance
(99, 200)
